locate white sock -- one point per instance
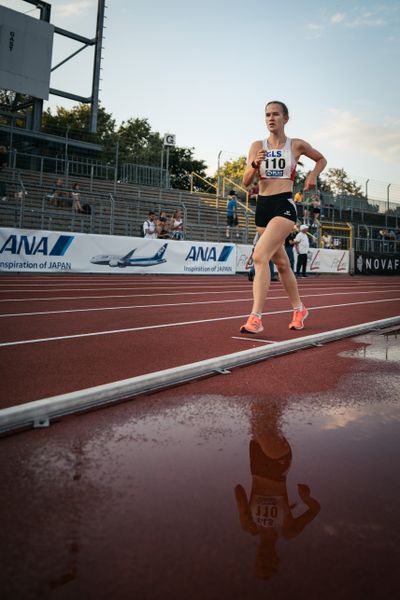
(259, 315)
(298, 307)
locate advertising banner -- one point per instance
(319, 260)
(368, 263)
(243, 252)
(327, 261)
(56, 252)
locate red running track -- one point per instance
(64, 333)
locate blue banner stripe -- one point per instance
(225, 253)
(61, 245)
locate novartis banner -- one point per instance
(52, 252)
(367, 263)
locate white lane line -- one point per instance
(197, 293)
(47, 298)
(179, 324)
(252, 339)
(177, 304)
(176, 288)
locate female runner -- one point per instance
(275, 160)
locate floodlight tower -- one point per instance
(93, 99)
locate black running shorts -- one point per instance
(278, 205)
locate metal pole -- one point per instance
(116, 166)
(366, 189)
(166, 169)
(66, 156)
(218, 168)
(161, 166)
(388, 197)
(11, 140)
(97, 67)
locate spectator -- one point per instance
(321, 203)
(316, 210)
(307, 207)
(314, 234)
(176, 226)
(57, 194)
(289, 244)
(162, 228)
(231, 214)
(3, 164)
(327, 241)
(150, 227)
(298, 197)
(76, 199)
(302, 245)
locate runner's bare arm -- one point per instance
(320, 162)
(256, 155)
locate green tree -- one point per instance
(181, 165)
(17, 104)
(336, 181)
(76, 120)
(232, 170)
(138, 143)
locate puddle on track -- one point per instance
(384, 346)
(209, 497)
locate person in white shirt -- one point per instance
(149, 227)
(302, 246)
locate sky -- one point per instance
(205, 70)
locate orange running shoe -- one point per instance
(299, 316)
(253, 325)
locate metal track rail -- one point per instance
(39, 413)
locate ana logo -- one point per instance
(31, 245)
(207, 253)
(360, 263)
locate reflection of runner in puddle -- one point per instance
(267, 512)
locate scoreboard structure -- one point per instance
(26, 46)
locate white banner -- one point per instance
(327, 261)
(55, 251)
(319, 260)
(243, 252)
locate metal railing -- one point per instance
(91, 169)
(27, 206)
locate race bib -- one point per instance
(267, 511)
(276, 164)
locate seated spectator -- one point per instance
(162, 226)
(176, 226)
(150, 226)
(326, 241)
(76, 199)
(57, 195)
